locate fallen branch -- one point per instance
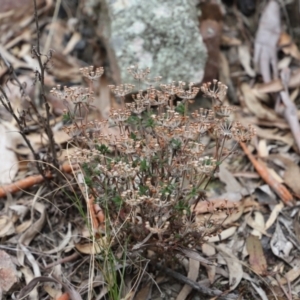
(30, 181)
(262, 170)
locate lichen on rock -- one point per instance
(161, 35)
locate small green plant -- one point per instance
(149, 173)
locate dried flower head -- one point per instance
(223, 111)
(137, 73)
(242, 133)
(121, 90)
(188, 94)
(155, 164)
(91, 72)
(215, 90)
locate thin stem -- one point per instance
(9, 108)
(46, 121)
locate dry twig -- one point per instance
(30, 181)
(261, 169)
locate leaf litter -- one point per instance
(38, 230)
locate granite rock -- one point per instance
(161, 35)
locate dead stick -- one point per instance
(62, 260)
(29, 182)
(262, 170)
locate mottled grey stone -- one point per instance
(161, 35)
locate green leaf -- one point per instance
(103, 149)
(143, 190)
(180, 108)
(133, 136)
(133, 120)
(67, 117)
(181, 206)
(175, 144)
(144, 166)
(118, 201)
(150, 122)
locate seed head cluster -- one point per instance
(148, 174)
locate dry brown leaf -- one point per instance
(265, 195)
(274, 214)
(255, 106)
(76, 37)
(19, 8)
(93, 248)
(291, 177)
(275, 134)
(208, 250)
(61, 137)
(23, 226)
(221, 217)
(32, 261)
(16, 63)
(8, 272)
(194, 266)
(23, 36)
(279, 123)
(54, 293)
(267, 36)
(196, 256)
(259, 291)
(257, 259)
(55, 31)
(296, 224)
(260, 221)
(28, 275)
(38, 140)
(274, 175)
(280, 245)
(288, 46)
(245, 59)
(251, 222)
(232, 185)
(284, 63)
(65, 241)
(262, 149)
(7, 226)
(35, 227)
(291, 275)
(220, 202)
(286, 108)
(66, 68)
(264, 97)
(294, 95)
(230, 41)
(32, 285)
(276, 85)
(19, 210)
(249, 175)
(291, 174)
(225, 234)
(233, 264)
(9, 137)
(145, 292)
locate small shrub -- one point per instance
(149, 173)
